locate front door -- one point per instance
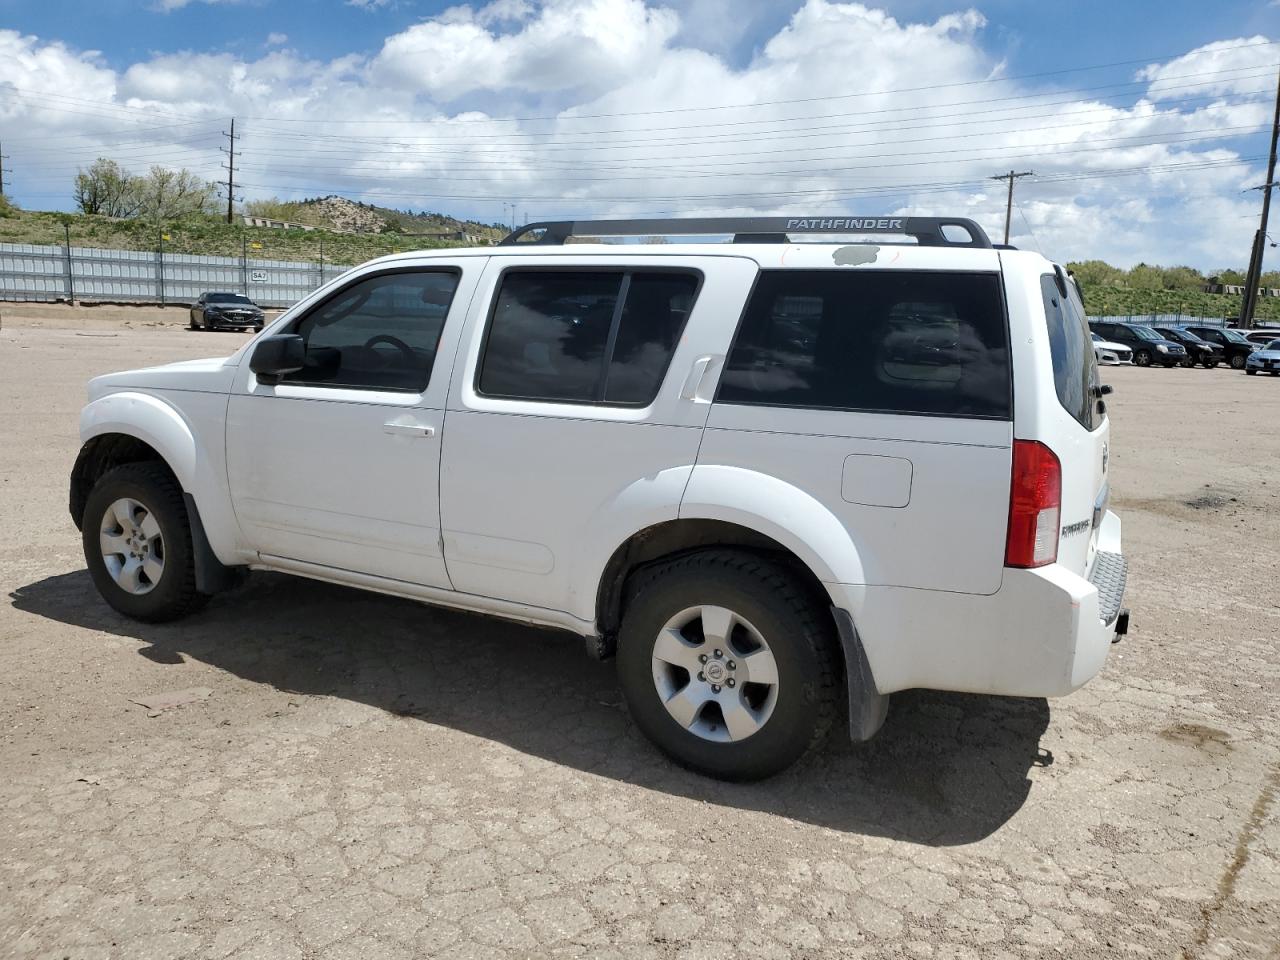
(338, 465)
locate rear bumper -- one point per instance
(1044, 633)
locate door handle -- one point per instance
(694, 383)
(399, 428)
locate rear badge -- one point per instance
(1071, 529)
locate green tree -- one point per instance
(166, 194)
(1183, 278)
(1144, 277)
(1096, 273)
(108, 189)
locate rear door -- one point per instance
(574, 415)
(886, 395)
(1078, 432)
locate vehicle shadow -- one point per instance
(946, 769)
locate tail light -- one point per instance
(1035, 502)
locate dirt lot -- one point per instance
(371, 778)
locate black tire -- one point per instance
(191, 321)
(174, 594)
(797, 628)
(1210, 364)
(1237, 362)
(1142, 358)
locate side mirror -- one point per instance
(275, 356)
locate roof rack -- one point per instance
(927, 231)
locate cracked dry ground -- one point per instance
(371, 778)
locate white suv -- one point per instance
(778, 479)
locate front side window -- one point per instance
(882, 341)
(380, 333)
(584, 336)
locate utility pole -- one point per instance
(230, 166)
(1008, 210)
(1254, 278)
(3, 157)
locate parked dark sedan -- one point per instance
(1198, 350)
(1148, 346)
(226, 311)
(1236, 348)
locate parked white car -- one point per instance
(1111, 354)
(777, 479)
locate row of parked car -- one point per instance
(1186, 345)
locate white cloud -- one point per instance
(851, 110)
(277, 39)
(368, 4)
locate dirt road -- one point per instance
(371, 778)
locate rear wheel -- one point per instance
(137, 543)
(1142, 358)
(1237, 362)
(728, 664)
(191, 323)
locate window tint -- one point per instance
(1074, 364)
(653, 314)
(893, 341)
(379, 333)
(559, 335)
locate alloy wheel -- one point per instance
(132, 546)
(715, 673)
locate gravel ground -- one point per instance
(372, 778)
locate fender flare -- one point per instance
(152, 421)
(779, 510)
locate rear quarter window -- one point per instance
(927, 343)
(1075, 369)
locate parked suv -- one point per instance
(1199, 351)
(1148, 346)
(1235, 347)
(778, 480)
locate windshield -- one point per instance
(1145, 333)
(1235, 336)
(227, 298)
(1273, 345)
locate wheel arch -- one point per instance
(130, 427)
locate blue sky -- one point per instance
(1029, 34)
(700, 105)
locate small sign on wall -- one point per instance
(258, 276)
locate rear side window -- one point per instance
(1075, 369)
(929, 343)
(587, 336)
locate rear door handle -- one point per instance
(695, 384)
(401, 428)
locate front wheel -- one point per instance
(1252, 373)
(1210, 364)
(137, 543)
(1142, 358)
(1237, 362)
(728, 664)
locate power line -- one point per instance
(933, 88)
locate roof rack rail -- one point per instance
(927, 231)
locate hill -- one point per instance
(383, 231)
